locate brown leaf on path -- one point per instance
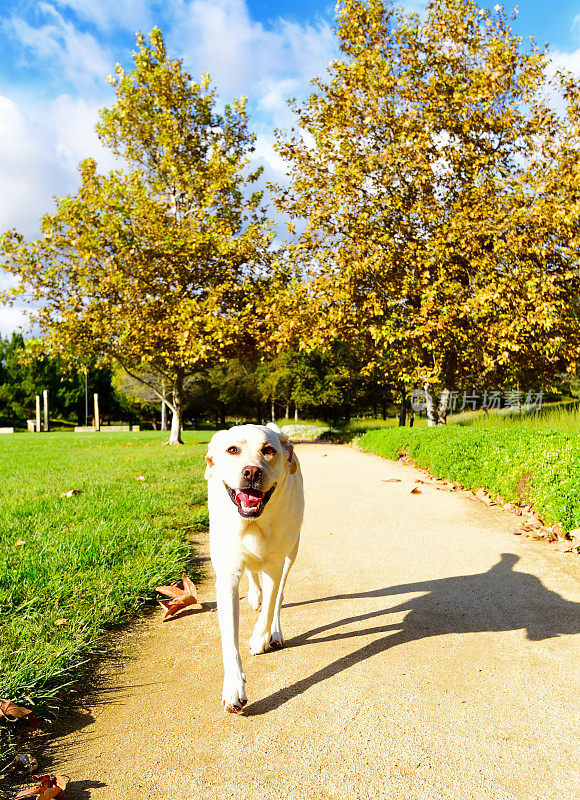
(12, 713)
(50, 786)
(558, 530)
(182, 596)
(416, 490)
(391, 480)
(71, 492)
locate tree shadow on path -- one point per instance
(497, 600)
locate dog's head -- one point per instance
(251, 461)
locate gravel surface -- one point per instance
(429, 656)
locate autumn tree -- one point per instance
(153, 264)
(412, 165)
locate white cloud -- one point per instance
(219, 37)
(80, 59)
(567, 61)
(12, 319)
(30, 172)
(130, 15)
(73, 120)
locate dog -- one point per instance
(256, 504)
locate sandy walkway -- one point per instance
(429, 655)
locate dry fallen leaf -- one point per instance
(12, 713)
(50, 786)
(558, 530)
(182, 596)
(416, 490)
(19, 543)
(391, 480)
(71, 492)
(61, 622)
(140, 477)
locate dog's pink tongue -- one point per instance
(248, 500)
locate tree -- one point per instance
(26, 370)
(411, 167)
(153, 264)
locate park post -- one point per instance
(45, 403)
(97, 419)
(37, 413)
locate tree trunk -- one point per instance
(222, 408)
(163, 407)
(273, 411)
(432, 416)
(443, 407)
(287, 414)
(295, 413)
(403, 410)
(177, 418)
(384, 409)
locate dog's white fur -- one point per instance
(267, 544)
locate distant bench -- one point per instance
(6, 430)
(108, 429)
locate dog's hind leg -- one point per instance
(276, 638)
(254, 589)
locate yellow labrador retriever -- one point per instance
(256, 504)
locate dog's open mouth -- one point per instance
(250, 502)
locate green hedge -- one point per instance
(541, 467)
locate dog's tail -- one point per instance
(274, 427)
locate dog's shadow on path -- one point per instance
(497, 600)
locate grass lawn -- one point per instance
(92, 559)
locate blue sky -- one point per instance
(55, 54)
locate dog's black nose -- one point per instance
(252, 473)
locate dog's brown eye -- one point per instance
(233, 450)
(269, 450)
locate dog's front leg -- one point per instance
(228, 603)
(260, 639)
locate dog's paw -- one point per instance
(276, 640)
(259, 643)
(234, 693)
(254, 597)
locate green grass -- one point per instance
(538, 465)
(557, 417)
(94, 558)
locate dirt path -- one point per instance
(429, 655)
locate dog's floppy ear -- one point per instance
(209, 459)
(289, 452)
